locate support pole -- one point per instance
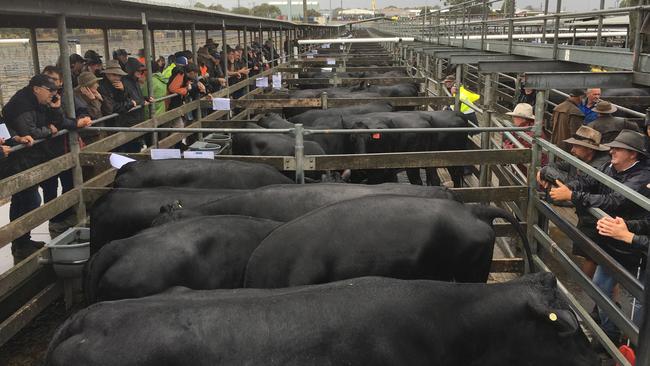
(557, 29)
(193, 40)
(459, 82)
(486, 121)
(184, 43)
(152, 37)
(68, 108)
(224, 55)
(148, 57)
(532, 215)
(544, 25)
(107, 49)
(34, 45)
(300, 154)
(600, 24)
(246, 47)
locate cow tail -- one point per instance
(489, 213)
(94, 270)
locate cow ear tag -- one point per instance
(552, 317)
(376, 136)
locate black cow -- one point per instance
(287, 202)
(334, 114)
(388, 235)
(123, 212)
(206, 252)
(270, 144)
(198, 173)
(366, 321)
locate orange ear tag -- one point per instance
(376, 136)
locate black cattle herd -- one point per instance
(222, 262)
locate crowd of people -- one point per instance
(101, 88)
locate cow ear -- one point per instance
(563, 320)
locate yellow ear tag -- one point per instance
(552, 316)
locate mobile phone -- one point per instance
(55, 98)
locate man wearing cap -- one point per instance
(608, 125)
(94, 63)
(33, 111)
(76, 67)
(586, 146)
(449, 82)
(114, 95)
(628, 166)
(567, 118)
(121, 56)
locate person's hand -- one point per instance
(245, 71)
(149, 99)
(84, 122)
(541, 182)
(25, 140)
(87, 92)
(615, 228)
(118, 85)
(561, 192)
(6, 150)
(134, 103)
(53, 129)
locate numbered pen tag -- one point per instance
(277, 81)
(310, 56)
(161, 154)
(331, 61)
(4, 132)
(220, 104)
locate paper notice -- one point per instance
(160, 154)
(277, 81)
(198, 154)
(221, 104)
(118, 160)
(262, 82)
(331, 61)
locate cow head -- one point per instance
(548, 332)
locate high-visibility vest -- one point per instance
(466, 96)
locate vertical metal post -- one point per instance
(289, 17)
(300, 153)
(532, 215)
(484, 25)
(152, 37)
(34, 44)
(68, 107)
(246, 47)
(544, 25)
(486, 121)
(148, 58)
(643, 356)
(238, 37)
(638, 41)
(107, 50)
(511, 24)
(224, 55)
(207, 36)
(459, 82)
(557, 29)
(600, 24)
(193, 40)
(184, 43)
(281, 48)
(323, 100)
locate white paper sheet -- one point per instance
(262, 82)
(277, 81)
(118, 160)
(310, 56)
(326, 69)
(326, 45)
(220, 104)
(4, 132)
(198, 154)
(331, 61)
(160, 154)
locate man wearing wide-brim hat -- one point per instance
(628, 166)
(608, 125)
(115, 97)
(585, 145)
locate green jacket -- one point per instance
(159, 91)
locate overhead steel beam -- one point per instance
(447, 54)
(572, 80)
(530, 66)
(478, 57)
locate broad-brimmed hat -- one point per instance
(523, 110)
(121, 52)
(86, 78)
(92, 58)
(630, 140)
(604, 107)
(113, 67)
(587, 137)
(449, 78)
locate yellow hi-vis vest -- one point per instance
(466, 96)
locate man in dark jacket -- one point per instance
(628, 166)
(33, 111)
(586, 146)
(116, 99)
(608, 125)
(567, 118)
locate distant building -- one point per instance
(392, 11)
(355, 14)
(296, 7)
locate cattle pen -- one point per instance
(453, 41)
